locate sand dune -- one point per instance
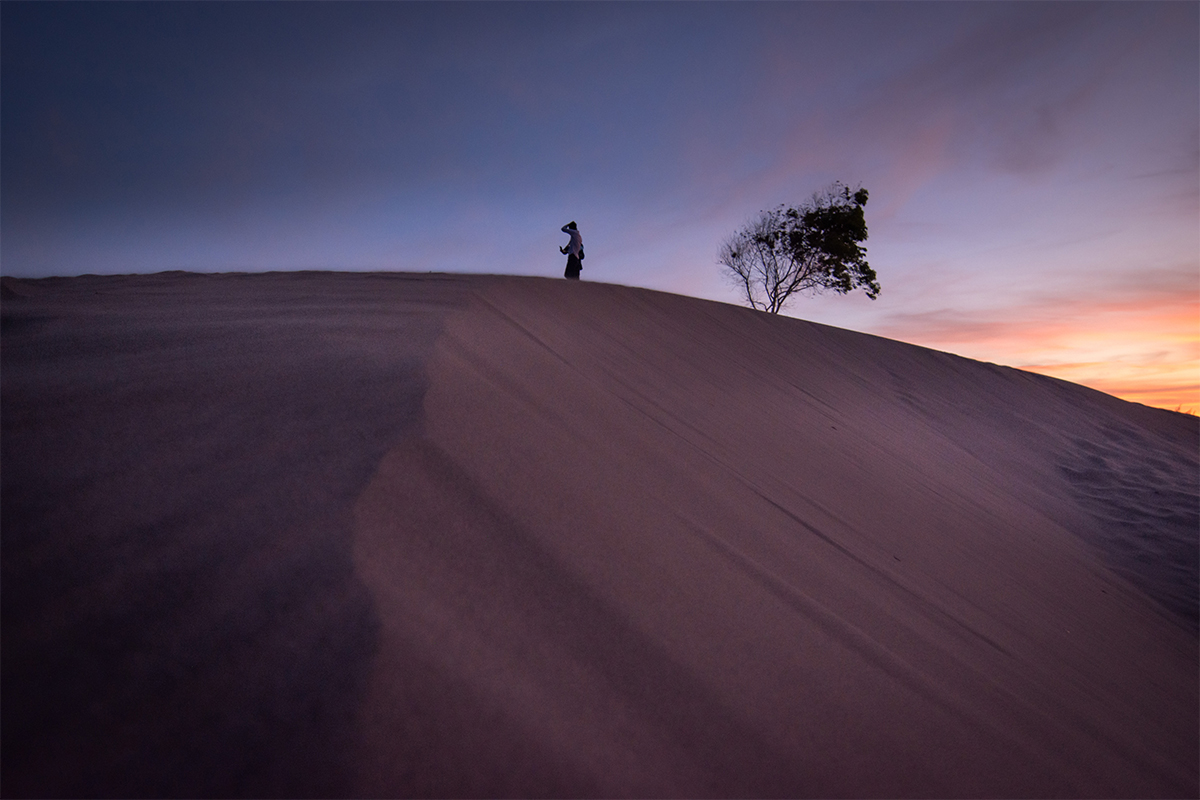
(330, 534)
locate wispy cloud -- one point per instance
(1142, 345)
(1034, 169)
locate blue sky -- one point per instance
(1034, 169)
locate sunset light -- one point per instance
(1033, 169)
(1147, 352)
(723, 398)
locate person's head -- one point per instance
(571, 225)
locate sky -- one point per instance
(1033, 169)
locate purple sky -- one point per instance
(1034, 169)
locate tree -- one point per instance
(812, 248)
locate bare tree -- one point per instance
(814, 247)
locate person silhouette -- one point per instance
(573, 251)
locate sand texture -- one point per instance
(325, 534)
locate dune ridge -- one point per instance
(597, 540)
(903, 508)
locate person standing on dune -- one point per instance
(573, 251)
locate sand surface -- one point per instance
(322, 534)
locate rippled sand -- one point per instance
(330, 534)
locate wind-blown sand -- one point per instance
(334, 534)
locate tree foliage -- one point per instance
(815, 247)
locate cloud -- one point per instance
(1032, 167)
(1141, 343)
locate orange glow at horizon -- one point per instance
(1173, 387)
(1147, 352)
